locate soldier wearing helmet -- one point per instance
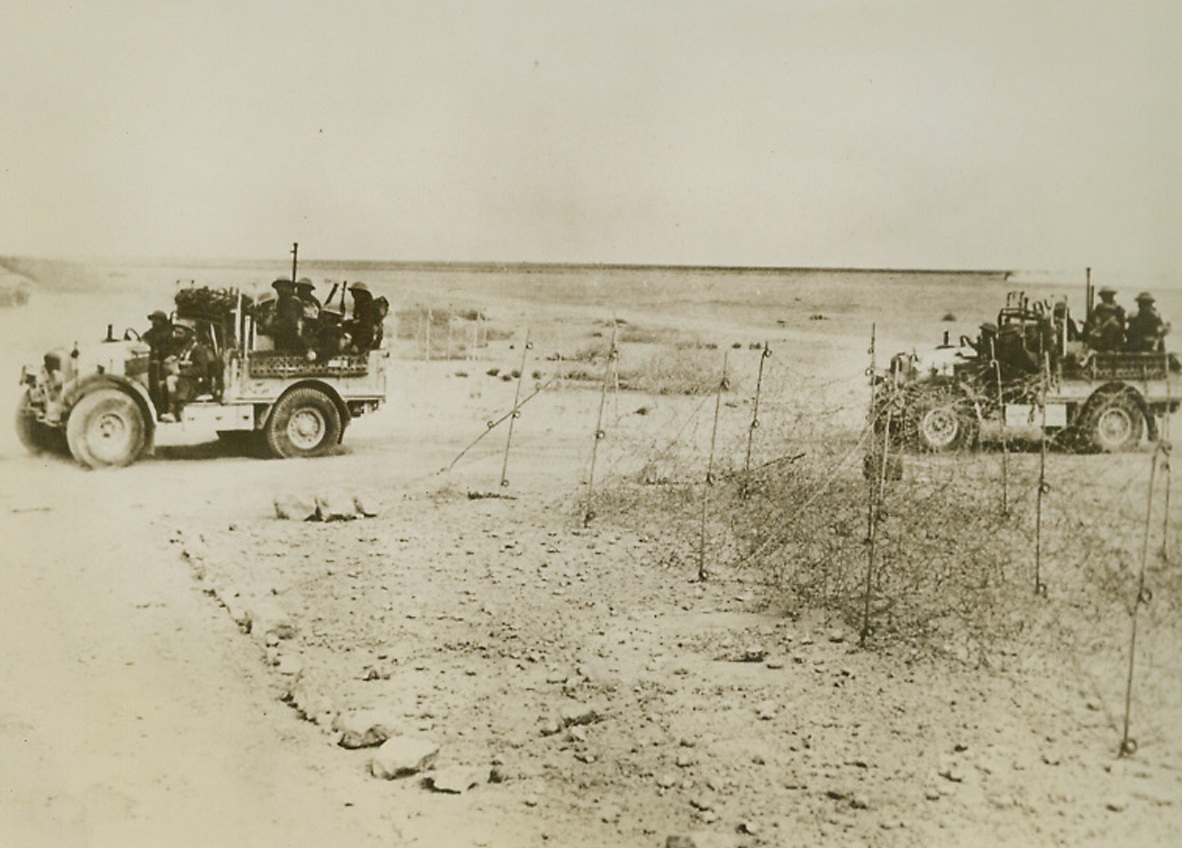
(366, 326)
(288, 323)
(1147, 330)
(1106, 328)
(158, 337)
(311, 306)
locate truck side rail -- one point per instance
(264, 364)
(1101, 366)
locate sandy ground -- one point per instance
(138, 713)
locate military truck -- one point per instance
(101, 403)
(1029, 375)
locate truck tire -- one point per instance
(940, 422)
(305, 422)
(1114, 423)
(106, 428)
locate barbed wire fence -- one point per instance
(753, 465)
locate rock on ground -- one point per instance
(400, 756)
(334, 506)
(267, 619)
(456, 780)
(364, 728)
(575, 714)
(294, 508)
(704, 839)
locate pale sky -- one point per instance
(1032, 135)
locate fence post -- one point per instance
(1128, 745)
(763, 355)
(608, 368)
(1040, 588)
(1005, 442)
(516, 409)
(877, 493)
(702, 574)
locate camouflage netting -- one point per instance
(208, 303)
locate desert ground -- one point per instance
(539, 614)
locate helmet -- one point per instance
(304, 283)
(989, 327)
(163, 316)
(1107, 290)
(1145, 297)
(281, 283)
(359, 287)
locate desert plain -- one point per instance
(604, 649)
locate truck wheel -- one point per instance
(106, 427)
(305, 422)
(941, 422)
(1115, 423)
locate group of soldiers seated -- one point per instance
(1018, 346)
(1108, 329)
(182, 366)
(300, 324)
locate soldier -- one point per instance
(193, 369)
(1147, 330)
(366, 326)
(1106, 329)
(1065, 326)
(159, 340)
(158, 335)
(288, 325)
(310, 329)
(332, 337)
(986, 344)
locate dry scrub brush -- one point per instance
(952, 570)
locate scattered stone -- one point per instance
(685, 760)
(754, 653)
(456, 780)
(775, 664)
(557, 676)
(266, 619)
(703, 839)
(666, 781)
(573, 714)
(1116, 805)
(364, 728)
(291, 507)
(335, 506)
(836, 636)
(766, 710)
(289, 666)
(577, 734)
(530, 800)
(952, 771)
(399, 756)
(366, 505)
(699, 802)
(311, 704)
(549, 728)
